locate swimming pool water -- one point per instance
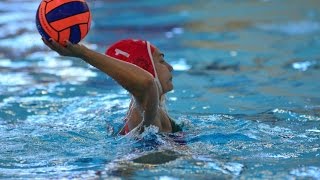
(246, 93)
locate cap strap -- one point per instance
(154, 69)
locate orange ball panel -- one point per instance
(83, 30)
(44, 24)
(64, 35)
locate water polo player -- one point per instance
(140, 68)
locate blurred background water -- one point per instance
(246, 93)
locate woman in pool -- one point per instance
(140, 68)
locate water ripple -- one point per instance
(292, 28)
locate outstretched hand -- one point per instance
(72, 50)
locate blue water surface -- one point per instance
(246, 93)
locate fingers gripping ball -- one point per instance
(63, 20)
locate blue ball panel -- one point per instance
(75, 34)
(66, 10)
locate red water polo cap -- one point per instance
(138, 52)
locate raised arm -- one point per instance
(134, 79)
(137, 81)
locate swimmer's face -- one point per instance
(163, 70)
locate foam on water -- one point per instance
(306, 172)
